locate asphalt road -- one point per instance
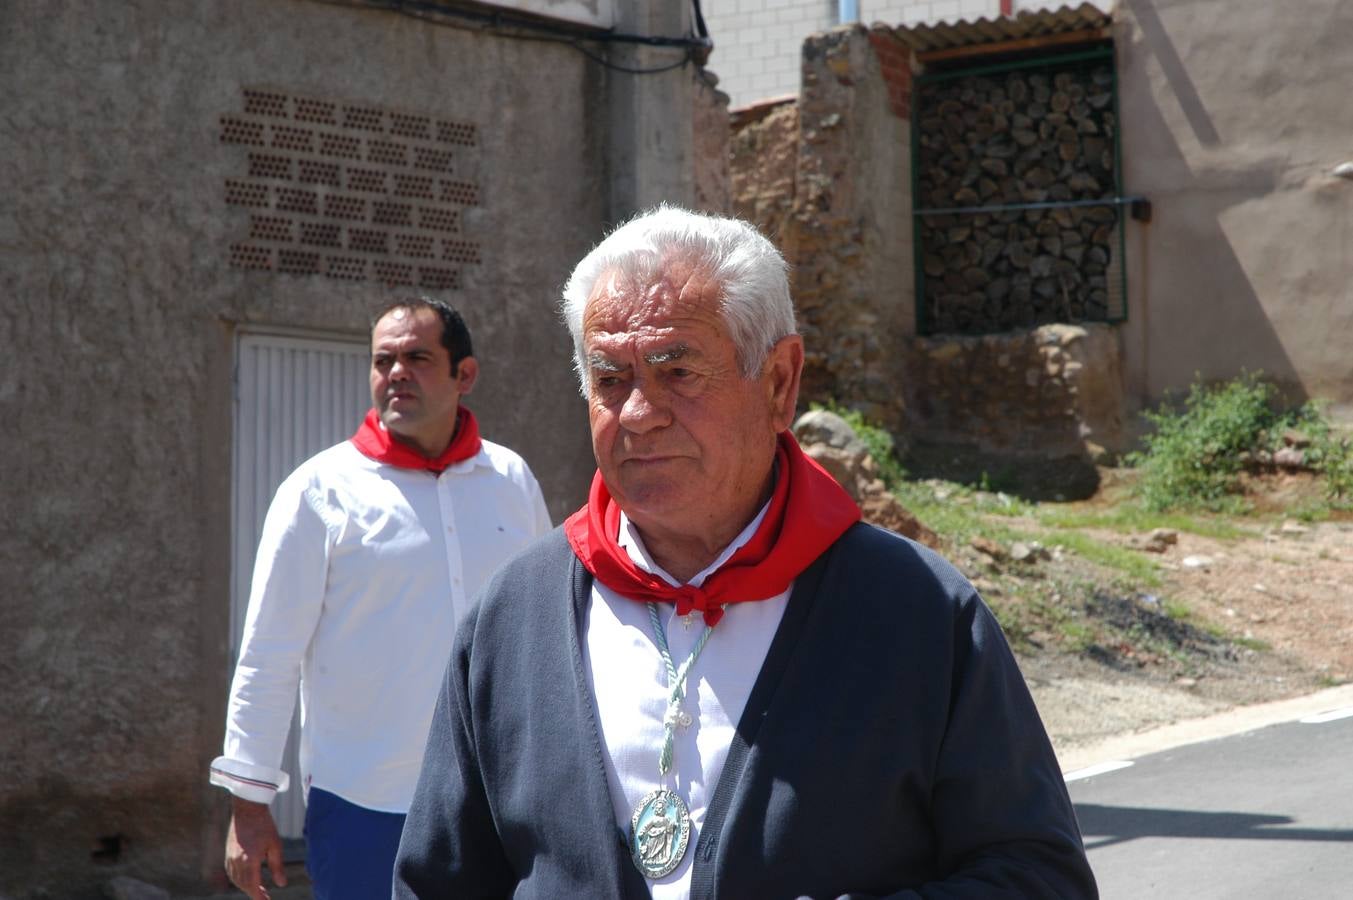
(1263, 813)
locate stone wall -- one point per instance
(1051, 391)
(1048, 392)
(764, 159)
(850, 230)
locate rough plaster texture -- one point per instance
(849, 237)
(711, 136)
(1048, 392)
(765, 155)
(649, 118)
(1234, 115)
(114, 238)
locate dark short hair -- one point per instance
(455, 336)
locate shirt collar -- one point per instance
(479, 459)
(633, 544)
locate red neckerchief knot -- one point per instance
(808, 511)
(374, 441)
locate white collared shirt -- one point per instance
(629, 682)
(362, 571)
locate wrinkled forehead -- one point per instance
(652, 296)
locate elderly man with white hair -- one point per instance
(714, 680)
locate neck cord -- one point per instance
(676, 684)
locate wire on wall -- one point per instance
(508, 24)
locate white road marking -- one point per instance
(1099, 769)
(1328, 716)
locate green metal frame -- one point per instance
(1106, 52)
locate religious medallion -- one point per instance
(659, 831)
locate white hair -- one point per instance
(751, 275)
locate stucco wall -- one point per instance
(120, 311)
(710, 134)
(1234, 114)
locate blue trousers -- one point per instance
(349, 850)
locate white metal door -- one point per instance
(294, 396)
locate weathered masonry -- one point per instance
(1015, 233)
(942, 212)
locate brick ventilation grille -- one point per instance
(352, 192)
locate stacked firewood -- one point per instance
(1027, 136)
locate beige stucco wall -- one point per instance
(1234, 114)
(710, 135)
(119, 316)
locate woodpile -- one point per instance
(1027, 136)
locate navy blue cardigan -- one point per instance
(889, 748)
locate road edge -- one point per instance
(1193, 731)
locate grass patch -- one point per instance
(1135, 517)
(1310, 511)
(1176, 610)
(1077, 634)
(1043, 612)
(1134, 565)
(950, 510)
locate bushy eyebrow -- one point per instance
(670, 354)
(603, 363)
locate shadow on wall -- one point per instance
(1196, 311)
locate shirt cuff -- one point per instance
(248, 781)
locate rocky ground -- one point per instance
(1231, 621)
(1121, 625)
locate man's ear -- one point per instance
(784, 365)
(467, 373)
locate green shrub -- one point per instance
(1195, 456)
(1193, 459)
(1329, 453)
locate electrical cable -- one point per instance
(506, 24)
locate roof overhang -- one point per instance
(1026, 30)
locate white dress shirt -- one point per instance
(629, 681)
(363, 569)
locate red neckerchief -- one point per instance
(808, 511)
(374, 441)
